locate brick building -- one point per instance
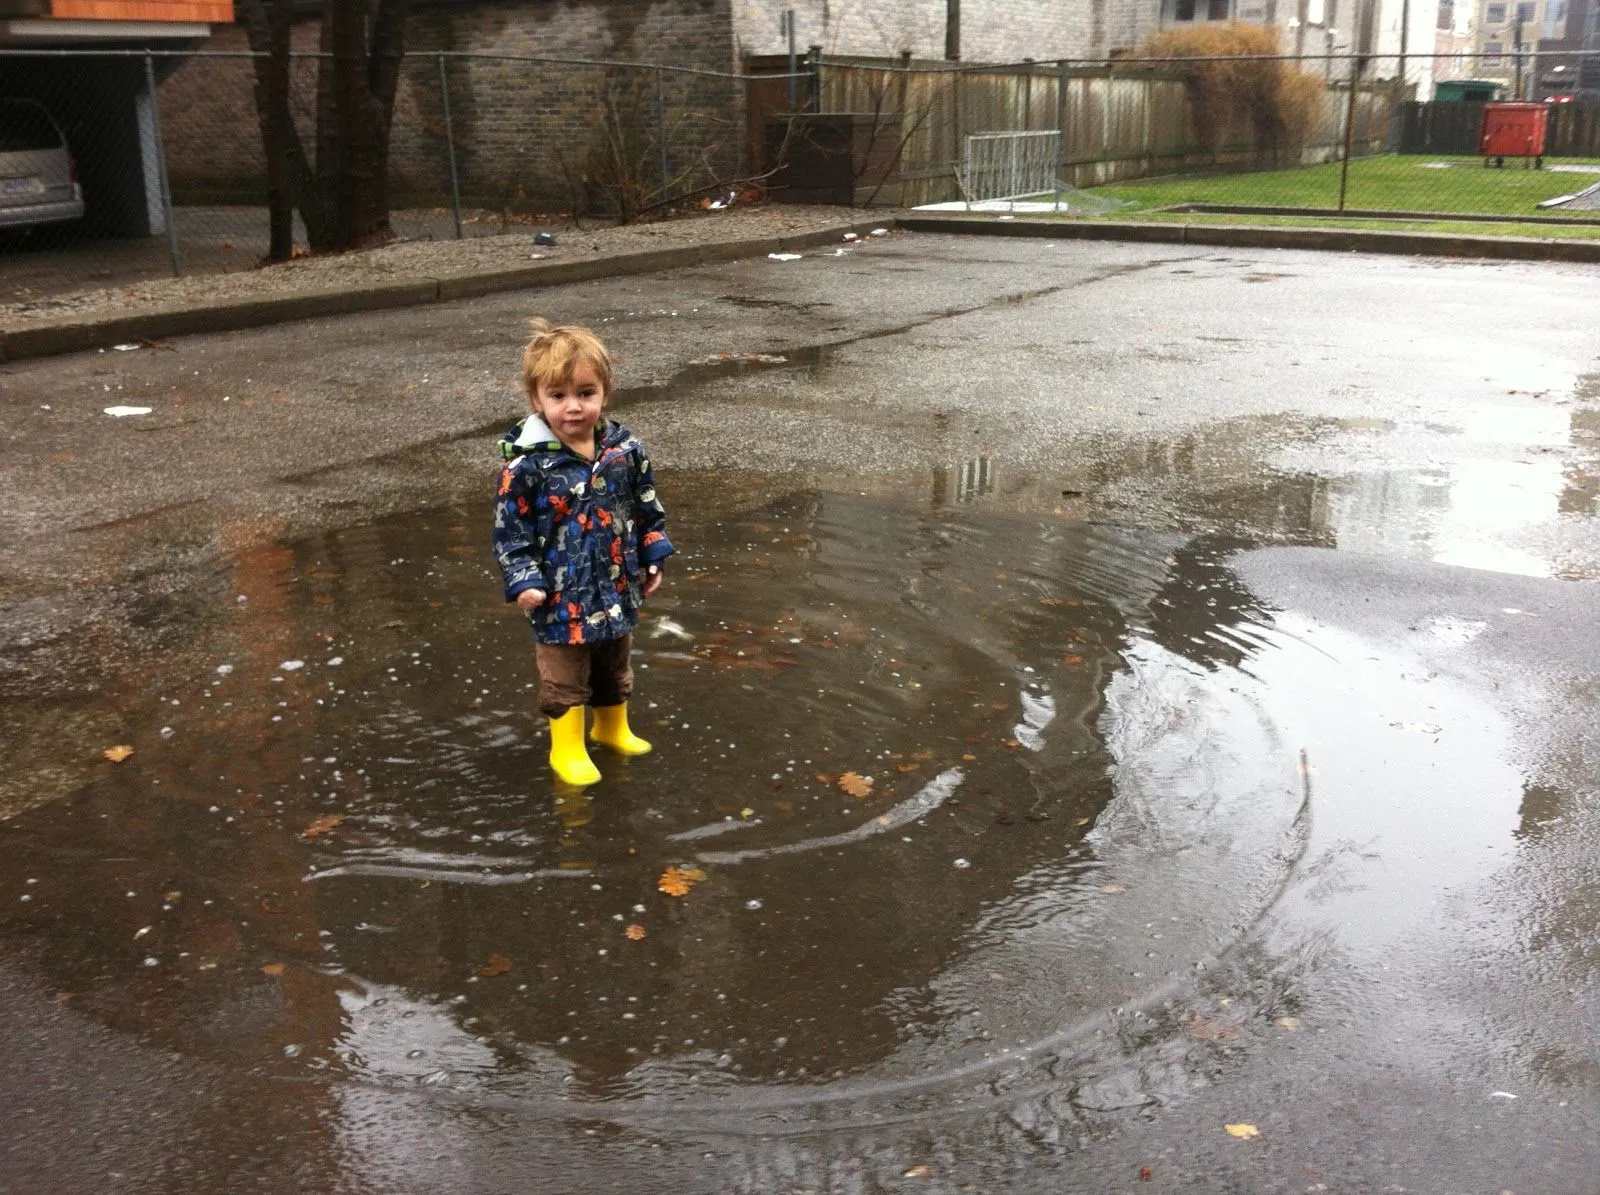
(521, 127)
(1011, 30)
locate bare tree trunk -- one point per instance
(366, 41)
(343, 198)
(267, 24)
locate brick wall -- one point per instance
(518, 126)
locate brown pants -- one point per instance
(583, 674)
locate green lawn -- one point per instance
(1389, 183)
(1483, 228)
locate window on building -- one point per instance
(1494, 14)
(1527, 11)
(1316, 12)
(1491, 53)
(1201, 10)
(1555, 19)
(1446, 16)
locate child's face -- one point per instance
(571, 406)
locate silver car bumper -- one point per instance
(49, 212)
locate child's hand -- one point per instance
(530, 600)
(652, 579)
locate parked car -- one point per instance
(38, 178)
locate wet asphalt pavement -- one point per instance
(1110, 693)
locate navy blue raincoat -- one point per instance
(579, 530)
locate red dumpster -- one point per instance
(1512, 130)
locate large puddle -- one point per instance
(336, 852)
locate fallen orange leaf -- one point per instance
(498, 964)
(268, 907)
(676, 881)
(855, 784)
(322, 825)
(1207, 1030)
(1242, 1131)
(634, 933)
(118, 754)
(906, 767)
(272, 969)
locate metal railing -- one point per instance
(1010, 165)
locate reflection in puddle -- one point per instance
(1502, 509)
(1468, 513)
(1093, 757)
(1043, 710)
(1477, 512)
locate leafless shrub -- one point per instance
(1231, 93)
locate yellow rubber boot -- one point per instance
(569, 758)
(611, 729)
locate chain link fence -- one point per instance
(163, 154)
(1278, 138)
(121, 166)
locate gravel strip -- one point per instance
(400, 261)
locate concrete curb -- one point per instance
(1257, 236)
(70, 336)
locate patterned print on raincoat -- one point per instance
(579, 530)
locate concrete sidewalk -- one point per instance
(1264, 236)
(406, 275)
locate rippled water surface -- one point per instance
(336, 851)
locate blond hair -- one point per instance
(553, 353)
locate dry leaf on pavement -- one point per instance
(118, 754)
(634, 933)
(855, 784)
(498, 964)
(272, 969)
(322, 825)
(676, 881)
(1243, 1131)
(1208, 1030)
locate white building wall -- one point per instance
(991, 30)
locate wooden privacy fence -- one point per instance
(1121, 121)
(1573, 130)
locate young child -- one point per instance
(581, 539)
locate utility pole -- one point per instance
(1405, 34)
(1516, 54)
(952, 30)
(786, 27)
